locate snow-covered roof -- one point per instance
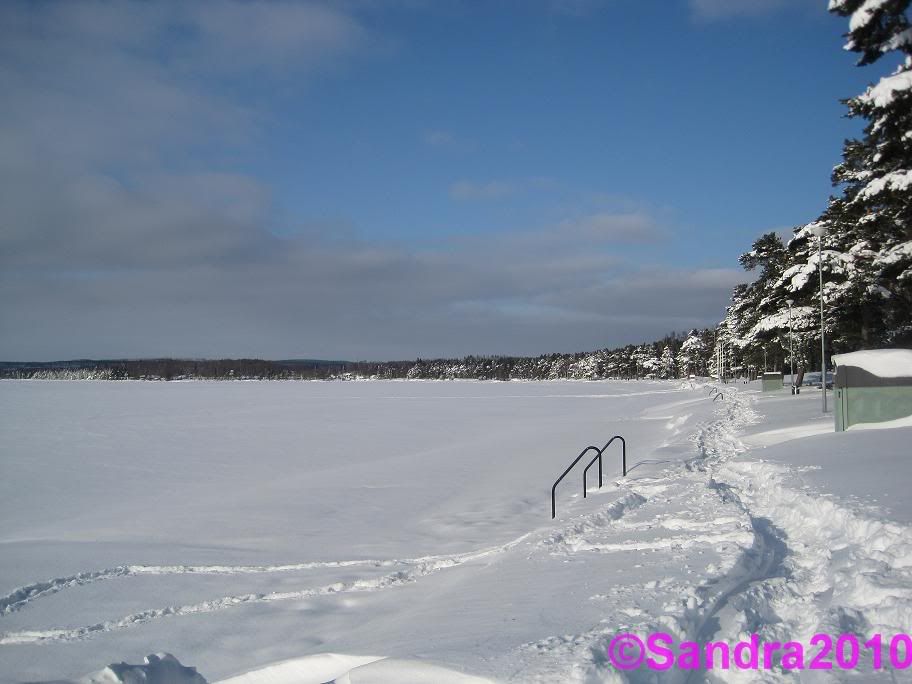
(884, 363)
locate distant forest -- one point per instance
(676, 355)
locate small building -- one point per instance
(873, 386)
(771, 382)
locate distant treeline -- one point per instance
(176, 369)
(676, 355)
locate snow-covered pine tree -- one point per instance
(667, 363)
(690, 356)
(757, 319)
(647, 361)
(871, 223)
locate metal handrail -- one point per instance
(623, 451)
(597, 457)
(564, 474)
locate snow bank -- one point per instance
(884, 425)
(390, 671)
(315, 669)
(884, 363)
(325, 668)
(160, 668)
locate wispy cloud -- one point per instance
(445, 140)
(439, 139)
(281, 36)
(501, 188)
(613, 227)
(491, 190)
(721, 9)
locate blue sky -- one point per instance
(379, 179)
(726, 126)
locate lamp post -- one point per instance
(722, 376)
(722, 358)
(716, 350)
(791, 345)
(820, 230)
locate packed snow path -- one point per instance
(703, 540)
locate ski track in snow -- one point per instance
(19, 598)
(416, 568)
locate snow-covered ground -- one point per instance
(400, 531)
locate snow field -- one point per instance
(250, 523)
(436, 560)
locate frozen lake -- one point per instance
(97, 475)
(239, 524)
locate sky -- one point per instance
(389, 179)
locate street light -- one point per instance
(791, 345)
(820, 230)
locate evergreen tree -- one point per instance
(667, 363)
(690, 357)
(757, 318)
(869, 246)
